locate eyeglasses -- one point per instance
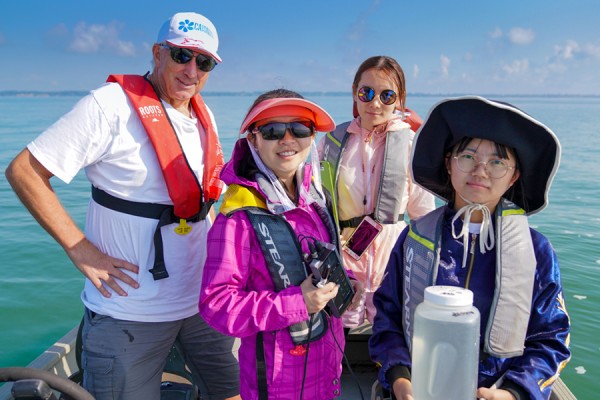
(183, 56)
(367, 94)
(276, 130)
(496, 168)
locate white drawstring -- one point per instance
(486, 232)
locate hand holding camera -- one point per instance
(316, 298)
(325, 265)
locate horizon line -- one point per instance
(39, 93)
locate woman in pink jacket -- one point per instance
(365, 164)
(252, 287)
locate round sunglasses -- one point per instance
(183, 56)
(367, 94)
(276, 130)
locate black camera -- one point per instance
(326, 266)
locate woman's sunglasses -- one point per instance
(367, 94)
(276, 130)
(183, 56)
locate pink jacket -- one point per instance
(238, 299)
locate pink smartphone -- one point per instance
(362, 237)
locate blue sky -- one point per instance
(444, 46)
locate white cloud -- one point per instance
(551, 68)
(95, 38)
(521, 36)
(572, 50)
(444, 65)
(147, 47)
(517, 67)
(416, 71)
(356, 31)
(359, 29)
(568, 51)
(592, 50)
(496, 33)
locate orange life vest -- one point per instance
(185, 191)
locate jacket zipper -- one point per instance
(368, 174)
(472, 261)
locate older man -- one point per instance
(150, 149)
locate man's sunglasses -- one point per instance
(183, 56)
(367, 94)
(276, 130)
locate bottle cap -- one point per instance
(449, 296)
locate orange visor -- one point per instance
(289, 107)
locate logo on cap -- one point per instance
(188, 25)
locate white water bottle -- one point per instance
(445, 345)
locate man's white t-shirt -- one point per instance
(103, 134)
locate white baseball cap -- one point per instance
(192, 31)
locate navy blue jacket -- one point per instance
(546, 346)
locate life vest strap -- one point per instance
(261, 368)
(164, 213)
(146, 210)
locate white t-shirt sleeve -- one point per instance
(78, 139)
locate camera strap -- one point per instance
(283, 256)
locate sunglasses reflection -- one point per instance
(183, 56)
(366, 94)
(276, 130)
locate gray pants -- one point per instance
(124, 359)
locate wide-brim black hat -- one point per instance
(450, 120)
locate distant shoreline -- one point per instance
(81, 93)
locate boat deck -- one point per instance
(60, 359)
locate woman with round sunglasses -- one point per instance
(365, 170)
(255, 284)
(493, 165)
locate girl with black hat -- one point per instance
(494, 165)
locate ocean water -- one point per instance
(40, 288)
